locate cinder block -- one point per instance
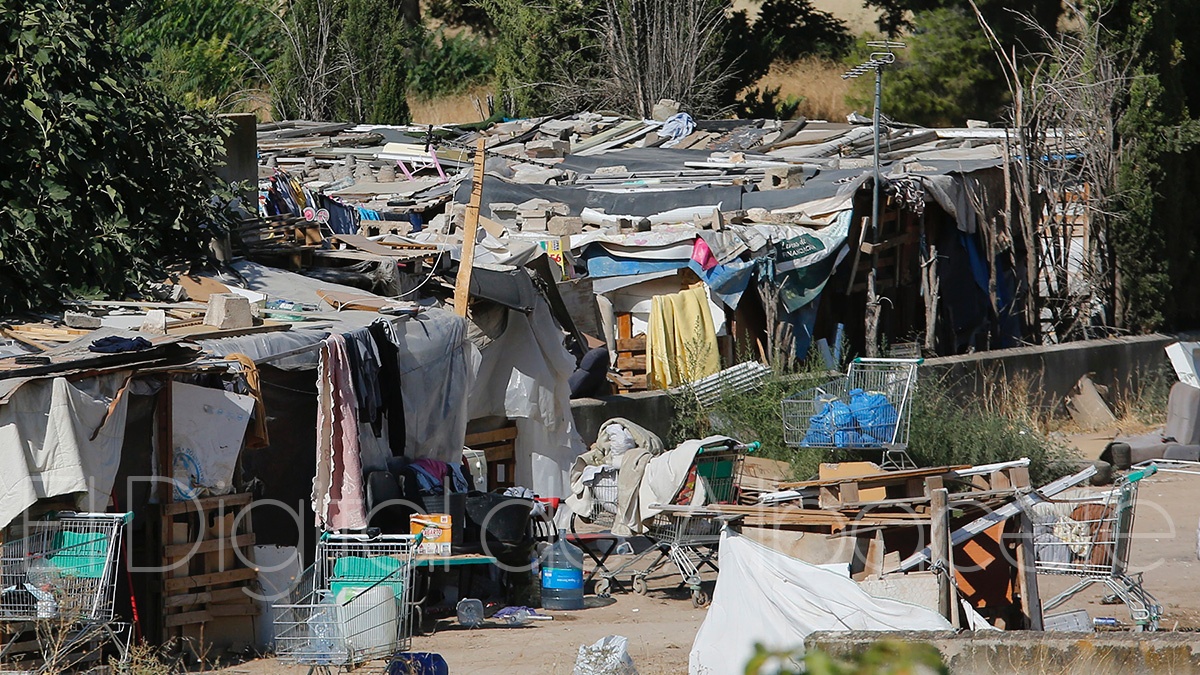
(228, 310)
(547, 149)
(81, 320)
(564, 226)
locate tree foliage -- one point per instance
(343, 60)
(202, 52)
(1155, 236)
(104, 179)
(945, 76)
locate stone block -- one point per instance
(155, 322)
(547, 149)
(81, 320)
(227, 311)
(563, 226)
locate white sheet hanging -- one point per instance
(60, 437)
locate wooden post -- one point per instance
(1027, 584)
(462, 283)
(939, 548)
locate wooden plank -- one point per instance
(900, 240)
(209, 503)
(487, 437)
(363, 244)
(206, 332)
(939, 547)
(637, 362)
(881, 478)
(192, 599)
(462, 284)
(207, 546)
(633, 344)
(1027, 583)
(229, 577)
(187, 619)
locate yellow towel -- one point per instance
(681, 341)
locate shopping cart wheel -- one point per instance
(603, 586)
(699, 598)
(639, 585)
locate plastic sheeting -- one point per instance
(766, 597)
(523, 375)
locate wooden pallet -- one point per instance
(211, 579)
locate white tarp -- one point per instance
(766, 597)
(207, 427)
(523, 375)
(61, 437)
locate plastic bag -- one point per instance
(875, 415)
(620, 440)
(608, 656)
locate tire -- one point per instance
(603, 587)
(699, 598)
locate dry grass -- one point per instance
(469, 106)
(819, 84)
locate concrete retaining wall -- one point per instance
(1122, 363)
(993, 653)
(1052, 371)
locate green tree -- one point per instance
(1154, 235)
(545, 53)
(945, 76)
(204, 52)
(103, 180)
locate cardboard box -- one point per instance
(436, 528)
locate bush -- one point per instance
(449, 64)
(948, 430)
(945, 430)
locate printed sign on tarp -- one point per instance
(804, 263)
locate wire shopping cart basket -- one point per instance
(62, 573)
(869, 408)
(1091, 541)
(353, 605)
(684, 533)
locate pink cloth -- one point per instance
(338, 497)
(702, 254)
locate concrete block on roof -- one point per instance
(560, 129)
(155, 322)
(563, 226)
(81, 320)
(504, 211)
(782, 178)
(534, 220)
(664, 109)
(547, 149)
(228, 310)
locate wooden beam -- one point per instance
(939, 554)
(232, 576)
(191, 599)
(462, 284)
(208, 546)
(1027, 582)
(209, 503)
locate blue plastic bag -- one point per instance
(820, 428)
(875, 415)
(418, 663)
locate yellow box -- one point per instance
(436, 530)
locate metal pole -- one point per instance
(875, 195)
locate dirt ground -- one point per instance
(661, 626)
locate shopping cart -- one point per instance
(599, 545)
(1092, 542)
(60, 576)
(685, 533)
(867, 409)
(351, 606)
